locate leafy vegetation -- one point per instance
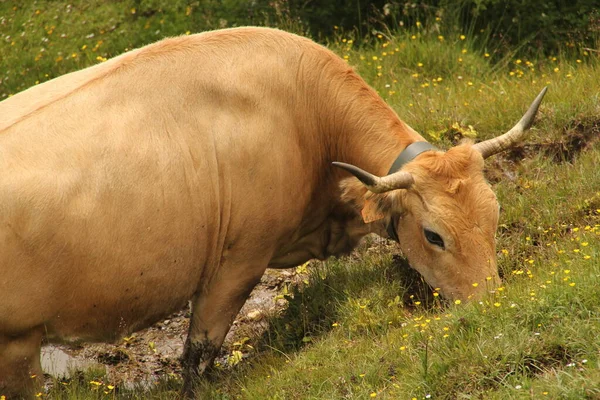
(366, 326)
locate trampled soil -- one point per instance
(153, 353)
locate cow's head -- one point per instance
(443, 213)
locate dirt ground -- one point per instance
(153, 353)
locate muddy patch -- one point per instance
(58, 362)
(575, 138)
(151, 354)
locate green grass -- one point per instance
(367, 326)
(42, 40)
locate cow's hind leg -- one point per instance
(20, 369)
(213, 312)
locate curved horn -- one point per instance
(397, 180)
(496, 145)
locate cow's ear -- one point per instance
(371, 211)
(376, 206)
(372, 207)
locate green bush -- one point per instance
(534, 24)
(531, 25)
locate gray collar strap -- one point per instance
(409, 153)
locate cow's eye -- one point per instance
(434, 238)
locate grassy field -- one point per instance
(366, 326)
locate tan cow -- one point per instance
(182, 170)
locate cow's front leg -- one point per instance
(20, 369)
(213, 312)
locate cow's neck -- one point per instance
(370, 135)
(356, 127)
(363, 129)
